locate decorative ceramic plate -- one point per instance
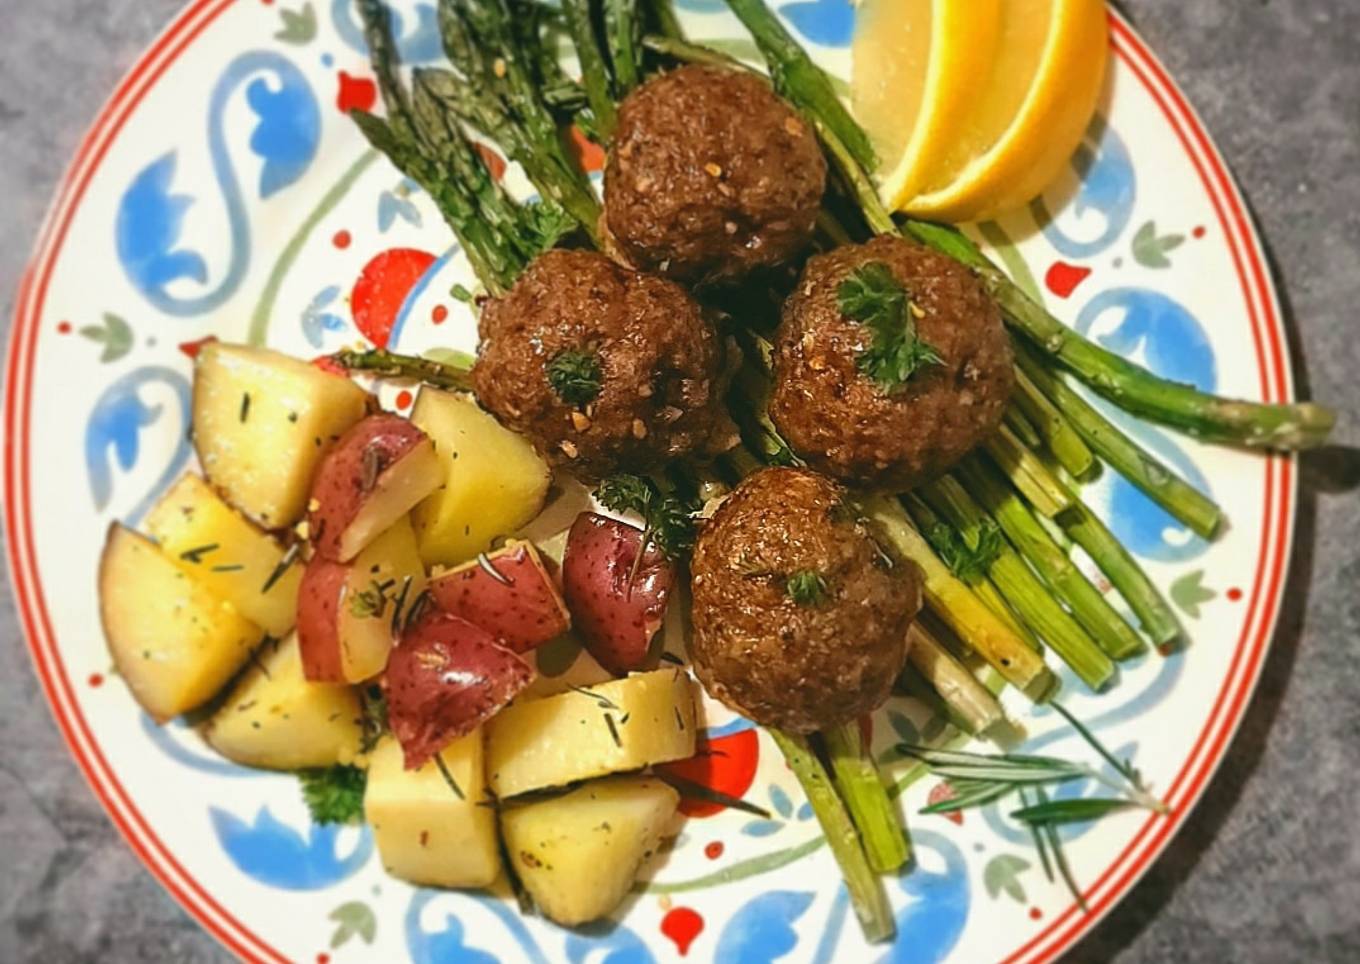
(223, 193)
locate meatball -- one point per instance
(603, 368)
(800, 616)
(844, 423)
(710, 176)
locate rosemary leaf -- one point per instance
(1071, 811)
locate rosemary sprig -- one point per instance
(448, 777)
(978, 779)
(697, 791)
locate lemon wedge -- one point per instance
(1022, 115)
(917, 67)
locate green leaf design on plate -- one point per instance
(299, 26)
(1002, 873)
(1189, 593)
(114, 334)
(1150, 249)
(353, 918)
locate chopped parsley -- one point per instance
(575, 376)
(874, 298)
(334, 794)
(669, 520)
(969, 562)
(806, 587)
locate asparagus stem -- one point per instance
(973, 622)
(1143, 469)
(1023, 428)
(593, 73)
(480, 38)
(797, 78)
(1133, 388)
(662, 19)
(392, 365)
(677, 48)
(1020, 587)
(1154, 613)
(862, 789)
(970, 532)
(1062, 439)
(623, 30)
(867, 895)
(1048, 496)
(971, 705)
(1116, 637)
(1082, 525)
(414, 149)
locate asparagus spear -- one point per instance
(489, 249)
(1144, 470)
(1018, 584)
(594, 75)
(951, 599)
(969, 703)
(865, 796)
(1133, 388)
(480, 40)
(1082, 525)
(866, 890)
(388, 364)
(1024, 429)
(623, 33)
(1154, 613)
(1116, 637)
(1049, 497)
(1062, 439)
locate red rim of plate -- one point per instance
(1063, 930)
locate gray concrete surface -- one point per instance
(1267, 870)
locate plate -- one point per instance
(222, 193)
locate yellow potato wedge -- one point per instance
(579, 854)
(623, 725)
(214, 544)
(276, 720)
(174, 642)
(430, 831)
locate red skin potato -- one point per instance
(350, 471)
(616, 623)
(444, 679)
(318, 620)
(523, 609)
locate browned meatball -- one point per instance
(847, 425)
(800, 616)
(710, 176)
(602, 367)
